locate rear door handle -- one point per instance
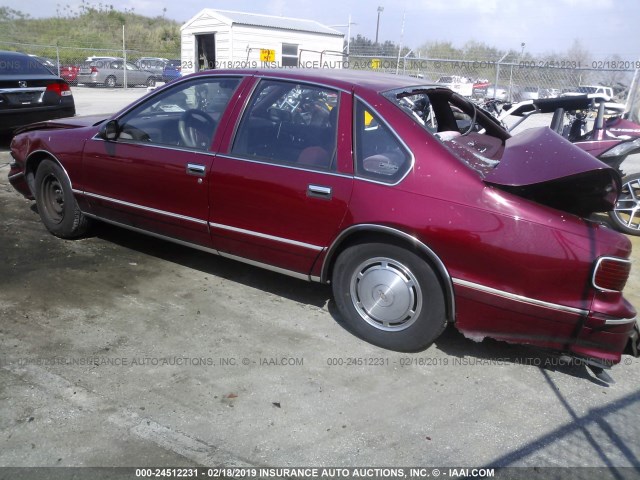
(196, 169)
(319, 191)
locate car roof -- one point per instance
(344, 79)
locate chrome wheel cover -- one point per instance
(386, 294)
(627, 210)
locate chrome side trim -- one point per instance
(264, 235)
(120, 141)
(23, 90)
(266, 266)
(140, 207)
(153, 234)
(595, 270)
(519, 298)
(202, 248)
(620, 321)
(395, 134)
(442, 270)
(291, 167)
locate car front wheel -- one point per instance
(57, 206)
(389, 296)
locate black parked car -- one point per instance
(29, 92)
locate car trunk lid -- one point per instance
(542, 166)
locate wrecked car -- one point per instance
(419, 209)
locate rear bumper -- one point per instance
(12, 119)
(633, 345)
(485, 312)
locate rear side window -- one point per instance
(379, 154)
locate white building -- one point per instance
(225, 39)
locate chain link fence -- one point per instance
(492, 78)
(67, 61)
(510, 81)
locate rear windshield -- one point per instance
(19, 65)
(470, 133)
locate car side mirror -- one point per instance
(110, 130)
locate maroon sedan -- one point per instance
(419, 209)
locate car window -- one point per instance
(379, 155)
(289, 123)
(184, 116)
(19, 65)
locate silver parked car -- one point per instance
(111, 73)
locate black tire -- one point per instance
(57, 206)
(626, 215)
(110, 82)
(151, 82)
(389, 296)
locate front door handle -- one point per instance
(196, 169)
(319, 191)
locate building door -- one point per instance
(206, 51)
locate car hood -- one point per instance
(71, 122)
(542, 166)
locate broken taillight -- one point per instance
(611, 274)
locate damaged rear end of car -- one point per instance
(561, 287)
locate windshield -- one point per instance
(19, 65)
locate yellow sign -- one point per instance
(267, 55)
(376, 63)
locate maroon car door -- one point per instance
(155, 175)
(280, 193)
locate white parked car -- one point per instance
(461, 85)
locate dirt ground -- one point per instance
(123, 350)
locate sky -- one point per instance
(603, 27)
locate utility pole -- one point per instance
(380, 10)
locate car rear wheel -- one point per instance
(389, 296)
(151, 82)
(110, 81)
(626, 214)
(57, 206)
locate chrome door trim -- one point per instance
(288, 241)
(519, 298)
(228, 156)
(202, 248)
(254, 263)
(141, 207)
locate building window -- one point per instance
(289, 55)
